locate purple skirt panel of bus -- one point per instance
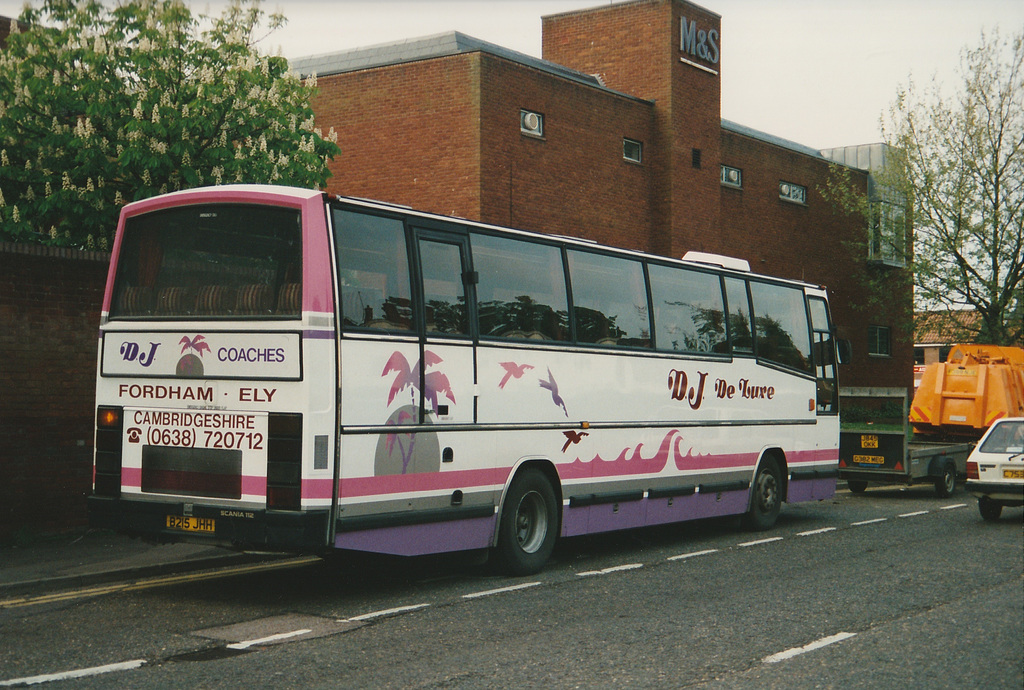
(419, 540)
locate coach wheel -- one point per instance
(857, 486)
(766, 499)
(946, 484)
(529, 524)
(989, 509)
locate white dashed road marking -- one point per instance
(79, 673)
(868, 522)
(818, 644)
(388, 612)
(269, 638)
(500, 590)
(694, 554)
(760, 541)
(613, 569)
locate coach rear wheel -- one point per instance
(766, 500)
(529, 524)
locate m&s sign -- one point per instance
(698, 43)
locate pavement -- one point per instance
(99, 556)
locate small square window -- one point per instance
(732, 177)
(531, 123)
(632, 150)
(792, 192)
(878, 341)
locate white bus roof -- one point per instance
(718, 260)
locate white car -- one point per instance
(995, 469)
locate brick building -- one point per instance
(616, 136)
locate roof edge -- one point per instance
(444, 44)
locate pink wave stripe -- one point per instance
(630, 461)
(797, 457)
(627, 462)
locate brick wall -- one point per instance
(809, 242)
(49, 320)
(635, 48)
(409, 134)
(574, 180)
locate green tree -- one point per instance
(962, 157)
(956, 156)
(100, 106)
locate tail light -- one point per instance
(972, 470)
(109, 427)
(284, 462)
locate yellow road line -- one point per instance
(152, 582)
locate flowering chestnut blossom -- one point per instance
(104, 103)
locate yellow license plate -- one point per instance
(190, 524)
(868, 441)
(963, 371)
(868, 459)
(1013, 474)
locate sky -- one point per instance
(821, 73)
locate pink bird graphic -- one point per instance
(553, 387)
(572, 438)
(198, 344)
(512, 370)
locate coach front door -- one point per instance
(447, 359)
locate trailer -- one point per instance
(878, 445)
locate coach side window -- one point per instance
(689, 315)
(824, 351)
(783, 332)
(741, 334)
(444, 290)
(521, 293)
(609, 297)
(373, 271)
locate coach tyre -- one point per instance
(529, 524)
(766, 500)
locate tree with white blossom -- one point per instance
(101, 105)
(955, 163)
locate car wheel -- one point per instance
(857, 486)
(989, 509)
(529, 524)
(766, 499)
(946, 484)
